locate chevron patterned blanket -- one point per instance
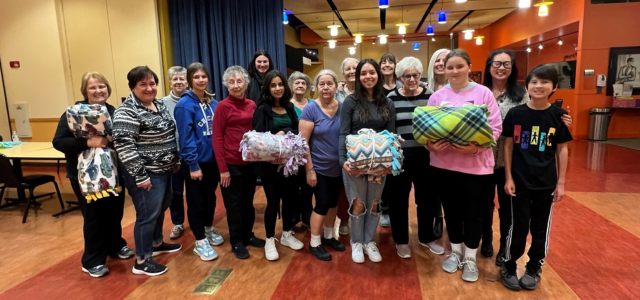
(267, 147)
(459, 125)
(97, 167)
(375, 154)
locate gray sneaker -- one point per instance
(470, 270)
(530, 279)
(385, 221)
(453, 262)
(176, 231)
(97, 271)
(214, 237)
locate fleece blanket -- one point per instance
(267, 147)
(459, 125)
(375, 154)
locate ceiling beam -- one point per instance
(337, 12)
(424, 17)
(461, 20)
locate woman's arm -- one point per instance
(219, 128)
(64, 140)
(126, 127)
(306, 128)
(188, 142)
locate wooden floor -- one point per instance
(594, 252)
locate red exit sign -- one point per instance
(14, 64)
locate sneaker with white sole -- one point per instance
(176, 231)
(214, 237)
(453, 262)
(357, 253)
(125, 253)
(149, 267)
(343, 230)
(97, 271)
(470, 270)
(270, 250)
(372, 251)
(403, 250)
(433, 247)
(288, 240)
(205, 251)
(385, 221)
(166, 248)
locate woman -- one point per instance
(320, 125)
(178, 84)
(500, 77)
(368, 107)
(463, 173)
(388, 67)
(299, 83)
(259, 65)
(416, 165)
(194, 117)
(232, 120)
(276, 114)
(144, 136)
(348, 68)
(101, 229)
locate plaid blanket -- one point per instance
(97, 167)
(267, 147)
(459, 125)
(375, 153)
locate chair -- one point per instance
(10, 180)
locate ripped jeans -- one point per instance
(364, 225)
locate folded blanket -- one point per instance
(459, 125)
(97, 167)
(375, 154)
(268, 147)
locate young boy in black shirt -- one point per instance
(535, 156)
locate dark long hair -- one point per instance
(361, 96)
(265, 93)
(192, 69)
(252, 64)
(514, 91)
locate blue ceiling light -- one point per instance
(285, 18)
(383, 3)
(442, 16)
(416, 46)
(430, 30)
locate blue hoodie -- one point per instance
(194, 121)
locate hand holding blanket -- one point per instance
(375, 154)
(458, 125)
(268, 147)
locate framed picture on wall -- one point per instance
(623, 68)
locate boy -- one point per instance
(535, 155)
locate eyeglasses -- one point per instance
(232, 83)
(505, 64)
(415, 76)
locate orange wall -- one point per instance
(478, 53)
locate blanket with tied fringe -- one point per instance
(375, 153)
(267, 147)
(97, 167)
(459, 125)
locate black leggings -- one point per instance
(327, 192)
(278, 187)
(201, 197)
(504, 211)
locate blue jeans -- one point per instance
(177, 198)
(150, 207)
(364, 225)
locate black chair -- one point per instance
(10, 180)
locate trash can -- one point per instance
(599, 123)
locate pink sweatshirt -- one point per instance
(482, 162)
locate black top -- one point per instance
(65, 142)
(536, 135)
(263, 122)
(255, 85)
(349, 124)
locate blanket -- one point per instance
(459, 125)
(375, 154)
(267, 147)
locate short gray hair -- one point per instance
(346, 60)
(407, 63)
(176, 70)
(235, 70)
(299, 75)
(326, 72)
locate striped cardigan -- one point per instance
(144, 139)
(404, 125)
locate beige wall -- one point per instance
(333, 58)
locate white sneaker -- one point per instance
(176, 231)
(372, 251)
(270, 251)
(356, 253)
(290, 241)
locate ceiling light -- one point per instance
(285, 18)
(383, 3)
(442, 17)
(461, 1)
(334, 29)
(540, 46)
(528, 49)
(416, 46)
(479, 40)
(403, 41)
(524, 3)
(543, 9)
(468, 34)
(403, 28)
(430, 30)
(358, 38)
(560, 41)
(352, 50)
(332, 43)
(383, 39)
(433, 39)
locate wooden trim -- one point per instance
(40, 120)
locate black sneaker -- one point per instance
(125, 253)
(166, 248)
(333, 243)
(510, 279)
(487, 249)
(255, 242)
(530, 279)
(240, 251)
(148, 267)
(499, 260)
(320, 253)
(97, 271)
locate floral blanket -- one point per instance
(267, 147)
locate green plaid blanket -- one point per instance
(459, 125)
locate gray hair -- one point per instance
(326, 72)
(408, 63)
(299, 75)
(431, 77)
(346, 60)
(176, 70)
(235, 70)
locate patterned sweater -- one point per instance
(145, 140)
(505, 105)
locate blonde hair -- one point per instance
(431, 77)
(94, 75)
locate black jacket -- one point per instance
(263, 122)
(65, 142)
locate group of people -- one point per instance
(189, 141)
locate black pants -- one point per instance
(278, 187)
(238, 201)
(397, 189)
(177, 198)
(327, 192)
(304, 203)
(102, 227)
(504, 211)
(488, 206)
(532, 210)
(462, 196)
(201, 197)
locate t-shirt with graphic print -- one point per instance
(536, 135)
